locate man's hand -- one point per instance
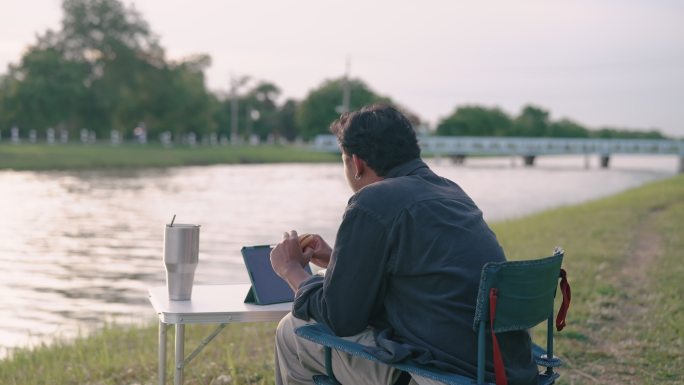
(317, 250)
(288, 261)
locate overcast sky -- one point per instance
(601, 63)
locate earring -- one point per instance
(357, 177)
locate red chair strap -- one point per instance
(563, 311)
(499, 368)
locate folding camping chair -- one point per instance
(516, 295)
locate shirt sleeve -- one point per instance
(351, 291)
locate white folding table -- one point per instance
(210, 304)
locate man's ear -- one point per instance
(359, 165)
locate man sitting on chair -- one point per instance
(404, 273)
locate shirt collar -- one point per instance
(406, 168)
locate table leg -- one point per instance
(180, 345)
(162, 353)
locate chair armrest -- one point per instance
(320, 334)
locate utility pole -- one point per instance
(346, 89)
(235, 83)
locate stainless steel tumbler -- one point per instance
(181, 250)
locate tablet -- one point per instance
(267, 286)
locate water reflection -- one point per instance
(83, 247)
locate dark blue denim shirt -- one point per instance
(407, 262)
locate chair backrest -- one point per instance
(526, 291)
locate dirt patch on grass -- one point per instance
(646, 249)
(622, 310)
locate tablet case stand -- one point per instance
(251, 297)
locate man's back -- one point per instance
(438, 244)
(409, 252)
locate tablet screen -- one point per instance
(267, 285)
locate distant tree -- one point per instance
(286, 120)
(475, 121)
(121, 53)
(44, 90)
(261, 107)
(106, 70)
(182, 104)
(322, 105)
(566, 128)
(532, 122)
(652, 134)
(257, 111)
(99, 31)
(221, 115)
(615, 133)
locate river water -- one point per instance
(81, 248)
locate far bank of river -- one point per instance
(136, 156)
(82, 247)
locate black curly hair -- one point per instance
(378, 134)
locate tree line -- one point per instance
(105, 70)
(533, 121)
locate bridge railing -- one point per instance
(448, 145)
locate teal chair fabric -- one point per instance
(524, 293)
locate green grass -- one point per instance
(128, 355)
(79, 157)
(624, 258)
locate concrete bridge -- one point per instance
(529, 148)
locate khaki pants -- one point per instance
(297, 360)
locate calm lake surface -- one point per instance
(81, 248)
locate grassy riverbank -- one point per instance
(624, 257)
(79, 157)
